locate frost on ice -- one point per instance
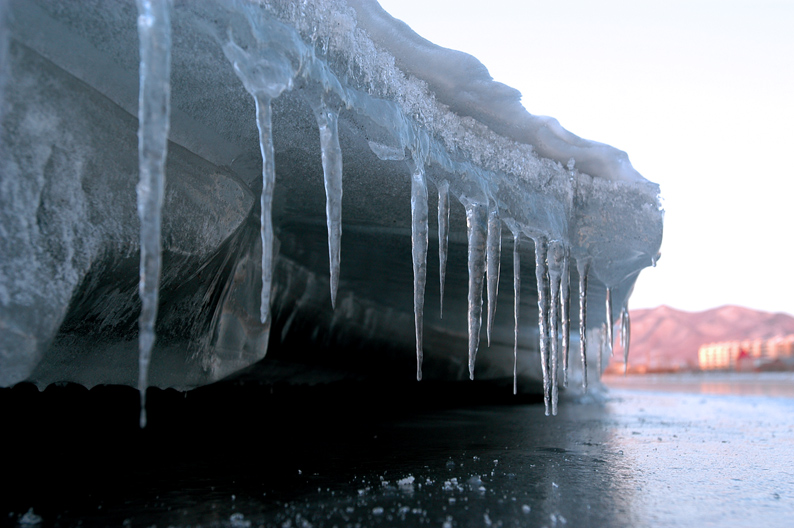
(260, 106)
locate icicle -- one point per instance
(4, 66)
(154, 32)
(265, 72)
(327, 119)
(583, 268)
(555, 260)
(443, 238)
(476, 222)
(542, 278)
(419, 228)
(493, 257)
(602, 348)
(565, 305)
(609, 321)
(516, 304)
(625, 336)
(264, 124)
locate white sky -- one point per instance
(699, 93)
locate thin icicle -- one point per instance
(443, 239)
(154, 100)
(419, 229)
(4, 66)
(493, 258)
(583, 268)
(610, 342)
(565, 307)
(476, 223)
(625, 336)
(265, 126)
(265, 72)
(516, 304)
(555, 260)
(542, 278)
(602, 349)
(327, 119)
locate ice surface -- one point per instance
(265, 97)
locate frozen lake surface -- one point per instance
(364, 456)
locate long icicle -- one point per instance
(443, 239)
(476, 222)
(419, 230)
(154, 103)
(583, 268)
(555, 258)
(610, 342)
(542, 278)
(625, 336)
(554, 304)
(565, 308)
(516, 303)
(602, 349)
(493, 258)
(327, 120)
(264, 123)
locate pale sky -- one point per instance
(699, 93)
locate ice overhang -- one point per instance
(415, 125)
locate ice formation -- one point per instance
(154, 102)
(266, 98)
(625, 335)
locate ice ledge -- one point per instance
(463, 83)
(398, 130)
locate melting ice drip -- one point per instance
(277, 61)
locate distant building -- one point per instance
(751, 354)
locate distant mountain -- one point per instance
(665, 338)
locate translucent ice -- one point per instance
(327, 119)
(419, 230)
(625, 335)
(565, 313)
(265, 127)
(476, 223)
(154, 32)
(583, 268)
(556, 259)
(443, 240)
(542, 279)
(516, 303)
(266, 70)
(609, 322)
(493, 256)
(404, 112)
